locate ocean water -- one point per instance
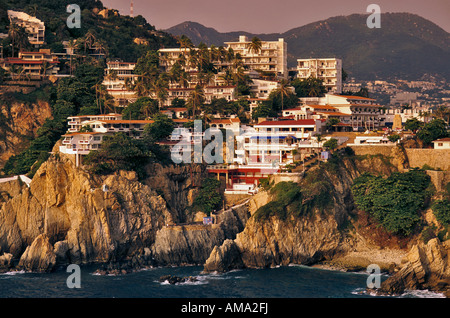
(281, 282)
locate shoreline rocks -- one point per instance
(172, 280)
(427, 266)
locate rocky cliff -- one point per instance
(67, 208)
(426, 266)
(308, 238)
(19, 122)
(70, 216)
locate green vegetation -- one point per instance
(394, 202)
(309, 87)
(292, 199)
(331, 144)
(160, 129)
(435, 129)
(286, 195)
(116, 33)
(209, 197)
(121, 152)
(70, 97)
(142, 108)
(394, 137)
(413, 124)
(441, 209)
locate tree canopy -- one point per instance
(394, 202)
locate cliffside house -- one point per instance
(34, 27)
(262, 150)
(32, 65)
(443, 143)
(118, 75)
(79, 143)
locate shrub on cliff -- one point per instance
(121, 152)
(433, 130)
(209, 197)
(394, 202)
(441, 209)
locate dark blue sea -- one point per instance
(281, 282)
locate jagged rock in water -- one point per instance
(39, 256)
(171, 279)
(224, 258)
(69, 206)
(192, 244)
(427, 266)
(5, 262)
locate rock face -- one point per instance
(279, 242)
(21, 121)
(70, 216)
(192, 244)
(39, 256)
(66, 209)
(427, 266)
(306, 239)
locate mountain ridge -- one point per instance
(406, 46)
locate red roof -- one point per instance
(299, 122)
(442, 139)
(355, 97)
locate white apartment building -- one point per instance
(262, 88)
(34, 26)
(117, 74)
(34, 65)
(272, 57)
(227, 92)
(327, 69)
(421, 113)
(79, 143)
(364, 112)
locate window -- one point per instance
(440, 144)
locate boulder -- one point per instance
(5, 261)
(426, 267)
(39, 256)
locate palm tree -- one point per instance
(89, 40)
(283, 90)
(161, 90)
(44, 68)
(100, 47)
(18, 36)
(72, 45)
(16, 70)
(196, 99)
(227, 77)
(185, 43)
(255, 45)
(184, 79)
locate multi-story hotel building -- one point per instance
(117, 74)
(327, 69)
(364, 112)
(34, 26)
(33, 65)
(80, 143)
(272, 57)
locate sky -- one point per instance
(270, 16)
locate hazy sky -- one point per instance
(268, 16)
